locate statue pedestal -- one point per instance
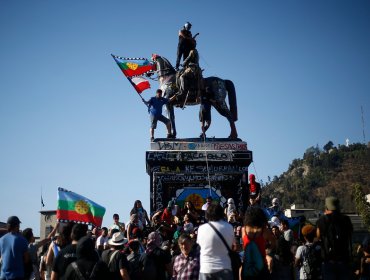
(192, 169)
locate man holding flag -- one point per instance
(155, 105)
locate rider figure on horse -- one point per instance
(189, 79)
(186, 41)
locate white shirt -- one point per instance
(213, 253)
(101, 241)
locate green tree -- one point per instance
(363, 208)
(328, 146)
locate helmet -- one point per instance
(187, 25)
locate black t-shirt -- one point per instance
(119, 261)
(66, 256)
(154, 264)
(86, 268)
(341, 247)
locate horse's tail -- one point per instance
(231, 93)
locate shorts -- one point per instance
(205, 113)
(155, 119)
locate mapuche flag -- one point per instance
(73, 207)
(133, 66)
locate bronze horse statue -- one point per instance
(167, 81)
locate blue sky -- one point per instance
(69, 118)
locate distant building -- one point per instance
(298, 210)
(48, 220)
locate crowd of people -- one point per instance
(187, 243)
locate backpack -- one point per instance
(148, 266)
(134, 263)
(79, 274)
(253, 262)
(311, 264)
(335, 241)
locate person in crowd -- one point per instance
(141, 212)
(134, 223)
(87, 263)
(230, 209)
(59, 241)
(207, 203)
(187, 264)
(43, 269)
(254, 190)
(13, 251)
(116, 261)
(275, 206)
(308, 255)
(168, 213)
(283, 256)
(32, 270)
(335, 231)
(134, 260)
(117, 224)
(237, 230)
(68, 254)
(286, 231)
(215, 262)
(102, 241)
(364, 272)
(155, 105)
(190, 210)
(275, 231)
(188, 226)
(255, 236)
(155, 262)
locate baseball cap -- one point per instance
(332, 203)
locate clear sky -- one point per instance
(69, 118)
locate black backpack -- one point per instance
(311, 264)
(336, 241)
(79, 274)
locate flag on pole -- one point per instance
(139, 83)
(73, 207)
(133, 66)
(42, 202)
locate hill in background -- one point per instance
(330, 171)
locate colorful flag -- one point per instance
(139, 83)
(73, 207)
(133, 66)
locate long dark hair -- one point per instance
(134, 209)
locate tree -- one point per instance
(363, 208)
(328, 146)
